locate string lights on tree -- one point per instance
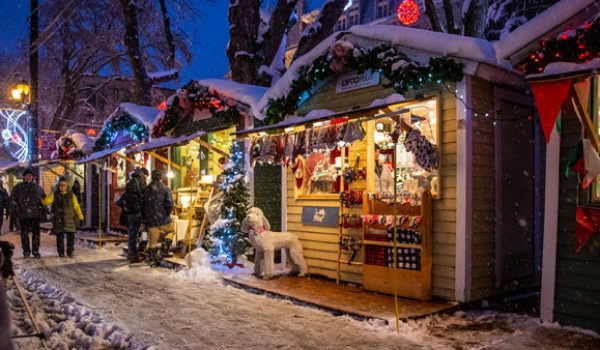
(231, 242)
(408, 12)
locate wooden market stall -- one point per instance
(465, 103)
(190, 143)
(559, 53)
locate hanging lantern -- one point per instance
(408, 12)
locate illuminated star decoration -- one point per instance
(408, 12)
(14, 134)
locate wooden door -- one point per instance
(267, 193)
(515, 192)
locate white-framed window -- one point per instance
(383, 9)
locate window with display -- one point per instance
(416, 153)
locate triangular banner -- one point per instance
(587, 224)
(549, 97)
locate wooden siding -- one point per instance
(48, 178)
(320, 244)
(577, 274)
(484, 184)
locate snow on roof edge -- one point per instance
(145, 114)
(247, 94)
(566, 68)
(538, 26)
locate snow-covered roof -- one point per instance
(144, 114)
(539, 26)
(247, 94)
(82, 141)
(556, 69)
(164, 142)
(426, 41)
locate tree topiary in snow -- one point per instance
(230, 240)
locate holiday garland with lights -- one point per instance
(580, 45)
(402, 73)
(193, 96)
(111, 129)
(231, 241)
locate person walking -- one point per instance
(158, 204)
(3, 205)
(27, 200)
(66, 216)
(13, 224)
(133, 207)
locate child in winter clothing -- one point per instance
(66, 216)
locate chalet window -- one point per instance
(382, 9)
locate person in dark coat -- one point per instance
(66, 216)
(4, 201)
(134, 193)
(13, 224)
(27, 200)
(158, 204)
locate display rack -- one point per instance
(411, 275)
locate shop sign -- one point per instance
(355, 81)
(320, 216)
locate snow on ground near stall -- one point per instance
(194, 310)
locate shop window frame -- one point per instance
(591, 197)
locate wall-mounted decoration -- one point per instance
(320, 216)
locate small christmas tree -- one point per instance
(231, 241)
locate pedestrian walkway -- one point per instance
(341, 298)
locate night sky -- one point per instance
(209, 35)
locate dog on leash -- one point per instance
(265, 242)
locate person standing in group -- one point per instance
(133, 207)
(27, 200)
(13, 223)
(66, 216)
(158, 204)
(3, 205)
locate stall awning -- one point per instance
(7, 164)
(98, 155)
(165, 141)
(564, 70)
(374, 111)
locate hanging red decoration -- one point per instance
(408, 12)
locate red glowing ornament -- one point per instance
(408, 12)
(162, 106)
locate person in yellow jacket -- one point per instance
(66, 216)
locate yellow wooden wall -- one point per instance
(48, 178)
(320, 244)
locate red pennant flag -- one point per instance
(549, 97)
(587, 224)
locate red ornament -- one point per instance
(408, 12)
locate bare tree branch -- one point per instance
(322, 27)
(431, 13)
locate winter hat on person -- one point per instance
(139, 171)
(27, 171)
(157, 174)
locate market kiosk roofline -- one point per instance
(350, 115)
(165, 141)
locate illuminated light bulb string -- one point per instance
(484, 115)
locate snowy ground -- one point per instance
(98, 301)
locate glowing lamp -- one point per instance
(207, 179)
(408, 12)
(20, 92)
(170, 174)
(91, 132)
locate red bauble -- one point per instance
(408, 12)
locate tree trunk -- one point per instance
(168, 34)
(278, 25)
(450, 17)
(431, 13)
(142, 84)
(244, 19)
(322, 28)
(474, 21)
(66, 106)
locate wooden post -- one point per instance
(395, 236)
(341, 228)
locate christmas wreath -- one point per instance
(193, 96)
(402, 73)
(111, 129)
(580, 45)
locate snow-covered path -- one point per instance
(164, 310)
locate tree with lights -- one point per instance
(231, 241)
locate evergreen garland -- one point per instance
(136, 130)
(199, 98)
(232, 242)
(576, 46)
(402, 73)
